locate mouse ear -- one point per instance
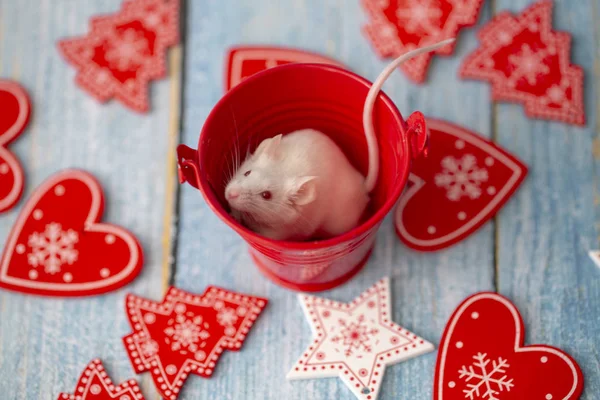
(269, 147)
(304, 190)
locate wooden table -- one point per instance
(534, 252)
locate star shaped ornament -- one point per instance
(187, 333)
(355, 341)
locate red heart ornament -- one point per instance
(529, 63)
(187, 333)
(16, 109)
(482, 356)
(95, 384)
(124, 51)
(244, 61)
(57, 246)
(461, 184)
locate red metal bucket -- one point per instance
(285, 99)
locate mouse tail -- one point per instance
(368, 127)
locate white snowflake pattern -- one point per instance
(127, 50)
(355, 336)
(149, 348)
(187, 332)
(52, 248)
(493, 381)
(420, 16)
(461, 177)
(227, 316)
(528, 64)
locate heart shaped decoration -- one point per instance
(482, 357)
(244, 61)
(461, 184)
(15, 106)
(57, 246)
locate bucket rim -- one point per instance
(364, 228)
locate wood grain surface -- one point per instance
(534, 251)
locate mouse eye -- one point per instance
(247, 173)
(266, 195)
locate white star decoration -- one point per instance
(355, 341)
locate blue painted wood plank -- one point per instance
(46, 343)
(426, 287)
(545, 232)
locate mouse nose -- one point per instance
(232, 194)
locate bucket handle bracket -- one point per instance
(187, 166)
(418, 135)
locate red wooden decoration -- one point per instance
(125, 51)
(57, 246)
(399, 26)
(95, 384)
(461, 184)
(482, 356)
(244, 61)
(15, 111)
(527, 62)
(187, 333)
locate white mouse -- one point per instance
(301, 185)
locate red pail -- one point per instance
(284, 99)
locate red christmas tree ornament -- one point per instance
(527, 62)
(95, 384)
(482, 356)
(461, 184)
(187, 333)
(16, 108)
(399, 26)
(244, 61)
(355, 341)
(58, 247)
(125, 51)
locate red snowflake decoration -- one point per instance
(527, 62)
(95, 384)
(399, 26)
(125, 51)
(187, 333)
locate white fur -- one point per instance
(315, 190)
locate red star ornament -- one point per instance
(355, 341)
(59, 247)
(187, 333)
(527, 62)
(399, 26)
(16, 109)
(482, 357)
(95, 384)
(125, 51)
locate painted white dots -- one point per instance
(491, 190)
(431, 230)
(459, 345)
(544, 359)
(451, 384)
(462, 216)
(33, 274)
(459, 144)
(475, 315)
(20, 249)
(105, 272)
(38, 214)
(171, 369)
(110, 239)
(489, 161)
(59, 190)
(548, 396)
(68, 277)
(4, 168)
(95, 389)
